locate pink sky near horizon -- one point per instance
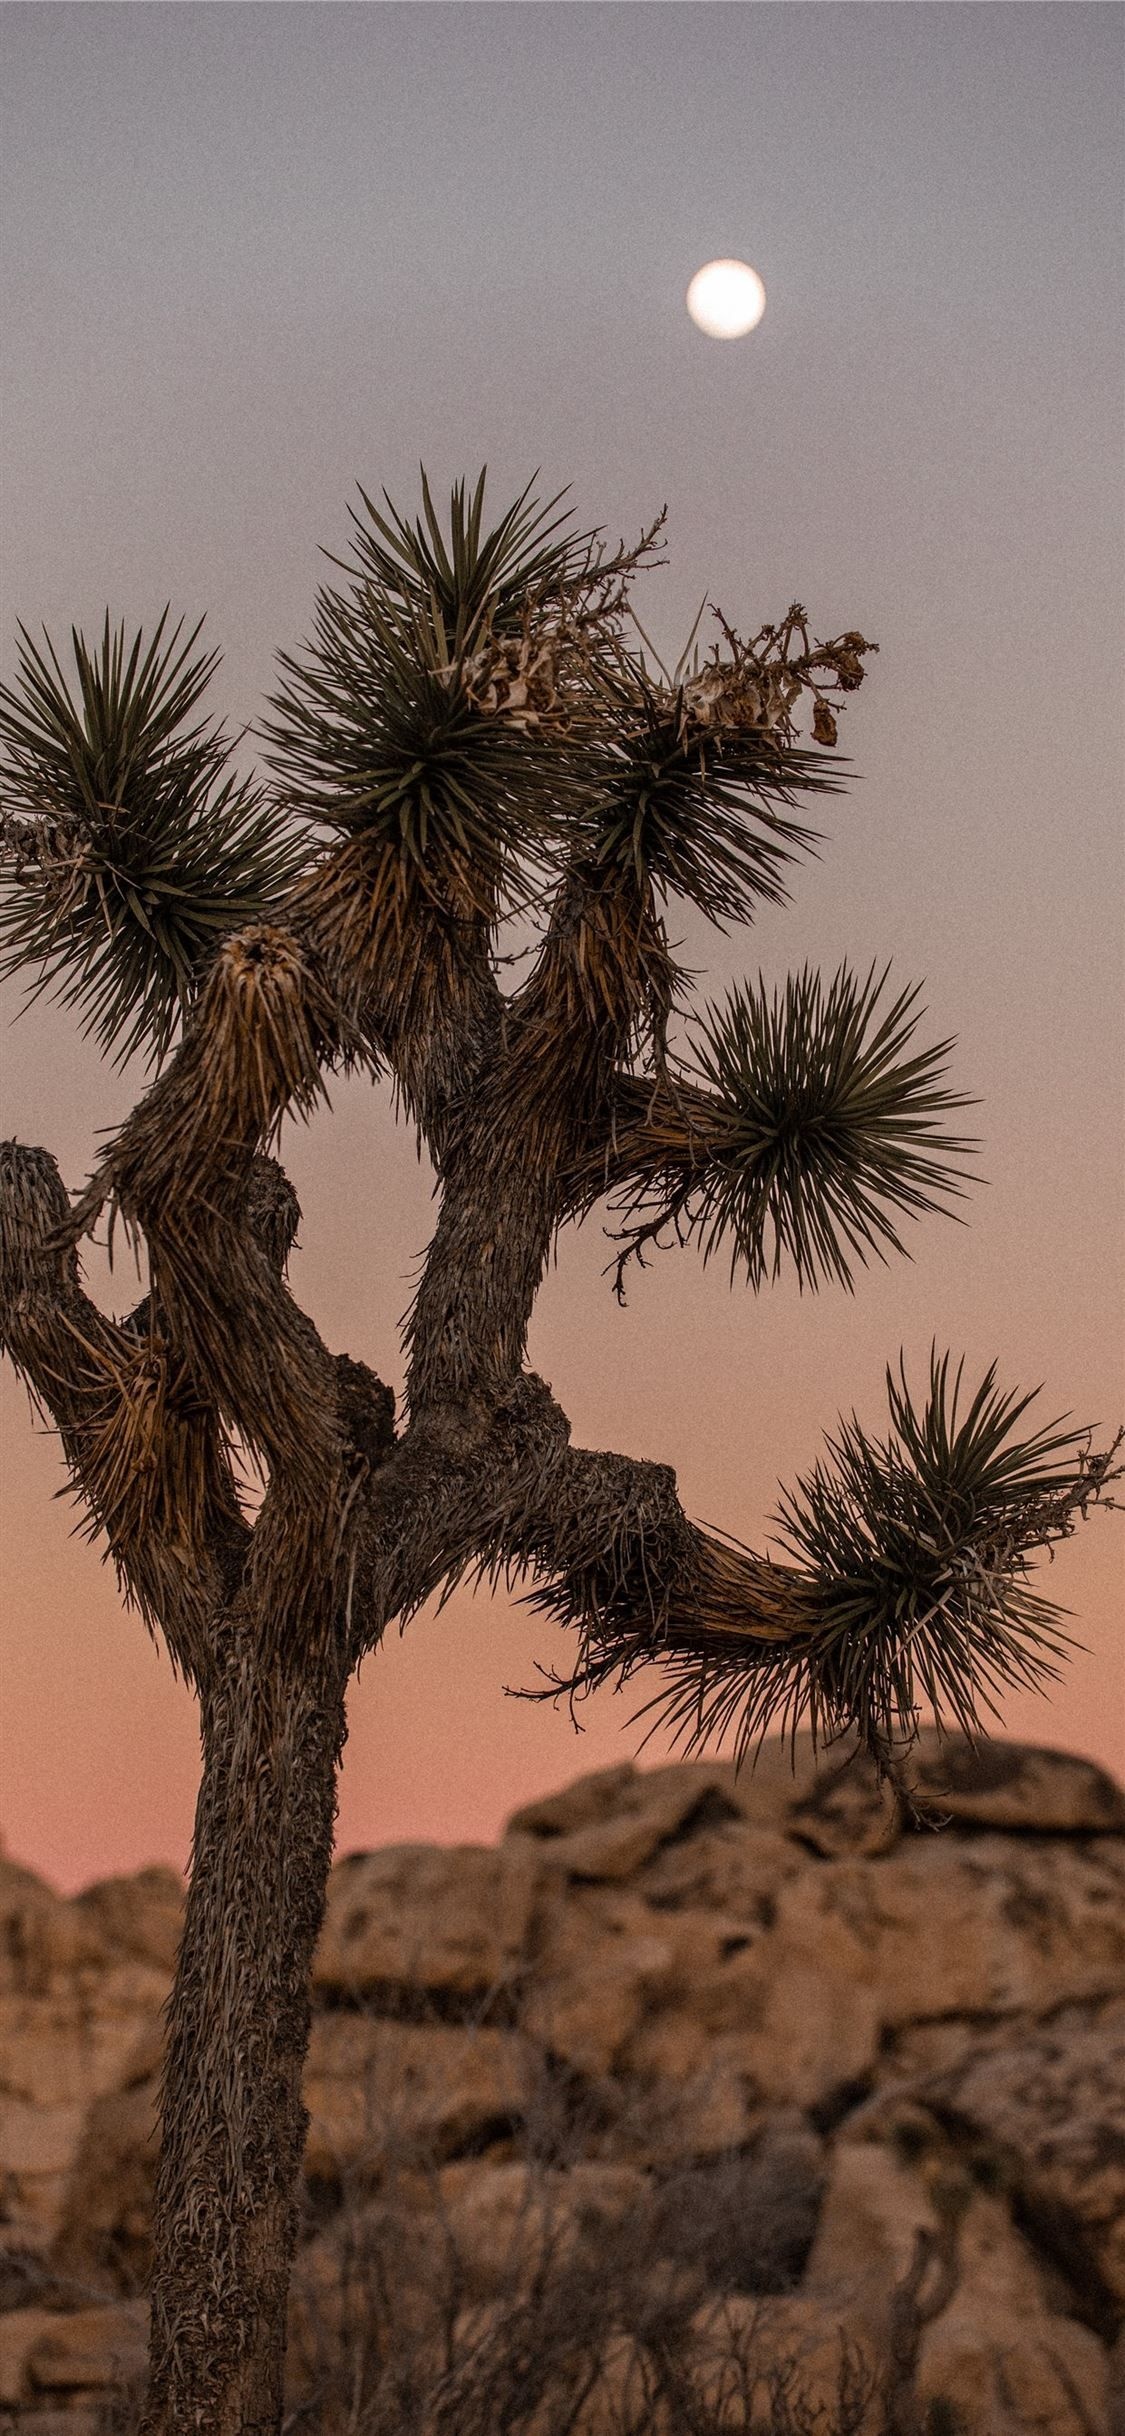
(253, 254)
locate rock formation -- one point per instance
(750, 2090)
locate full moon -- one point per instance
(726, 299)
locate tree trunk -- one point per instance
(233, 2121)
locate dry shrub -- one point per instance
(590, 2302)
(596, 2299)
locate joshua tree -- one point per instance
(473, 732)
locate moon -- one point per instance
(726, 299)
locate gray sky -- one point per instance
(253, 253)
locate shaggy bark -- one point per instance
(233, 2124)
(140, 1436)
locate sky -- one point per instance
(253, 255)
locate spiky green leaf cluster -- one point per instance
(473, 580)
(380, 729)
(826, 1125)
(129, 847)
(915, 1551)
(919, 1542)
(698, 815)
(387, 725)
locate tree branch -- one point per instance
(908, 1594)
(823, 1124)
(414, 971)
(180, 1170)
(601, 990)
(218, 1219)
(617, 1556)
(534, 1107)
(143, 1444)
(605, 1534)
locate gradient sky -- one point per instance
(252, 254)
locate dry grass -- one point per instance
(546, 2288)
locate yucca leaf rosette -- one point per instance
(919, 1543)
(129, 847)
(908, 1571)
(804, 1126)
(706, 764)
(438, 724)
(694, 811)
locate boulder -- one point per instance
(29, 2281)
(600, 1962)
(105, 2213)
(875, 2207)
(1014, 1785)
(1051, 2104)
(848, 1810)
(1009, 1925)
(726, 1868)
(996, 2263)
(785, 1775)
(788, 2036)
(999, 2373)
(20, 2330)
(38, 2146)
(79, 2020)
(86, 2351)
(90, 2348)
(580, 1804)
(991, 2354)
(831, 1800)
(762, 1793)
(73, 2419)
(686, 2110)
(631, 1816)
(678, 1995)
(45, 1942)
(505, 2220)
(142, 1916)
(38, 2143)
(449, 1922)
(376, 2090)
(58, 2053)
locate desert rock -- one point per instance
(762, 2073)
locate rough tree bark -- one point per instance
(233, 2121)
